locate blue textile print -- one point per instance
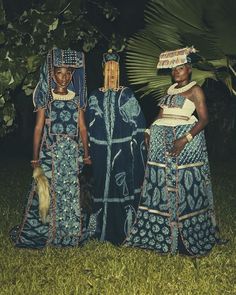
(116, 131)
(172, 101)
(176, 213)
(64, 118)
(60, 157)
(67, 58)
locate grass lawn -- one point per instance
(102, 269)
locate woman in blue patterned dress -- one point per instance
(60, 139)
(176, 213)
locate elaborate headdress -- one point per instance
(171, 59)
(111, 55)
(62, 58)
(111, 69)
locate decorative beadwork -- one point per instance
(173, 90)
(70, 95)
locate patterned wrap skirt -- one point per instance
(176, 212)
(67, 221)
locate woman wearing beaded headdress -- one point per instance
(116, 133)
(176, 213)
(53, 214)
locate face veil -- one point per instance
(111, 70)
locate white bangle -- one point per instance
(189, 136)
(147, 131)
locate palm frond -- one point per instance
(173, 12)
(173, 24)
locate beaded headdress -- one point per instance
(62, 58)
(111, 70)
(171, 59)
(66, 58)
(111, 55)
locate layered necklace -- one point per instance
(67, 96)
(172, 90)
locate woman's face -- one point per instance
(62, 76)
(181, 73)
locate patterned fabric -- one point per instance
(67, 58)
(59, 156)
(174, 58)
(116, 130)
(176, 211)
(172, 101)
(61, 160)
(64, 118)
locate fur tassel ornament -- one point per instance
(42, 188)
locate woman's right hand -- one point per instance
(146, 139)
(40, 119)
(87, 160)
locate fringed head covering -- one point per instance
(61, 58)
(111, 70)
(171, 59)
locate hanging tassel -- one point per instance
(42, 189)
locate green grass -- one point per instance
(100, 268)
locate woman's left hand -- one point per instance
(178, 146)
(87, 160)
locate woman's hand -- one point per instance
(87, 160)
(178, 146)
(84, 137)
(146, 139)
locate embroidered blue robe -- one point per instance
(116, 133)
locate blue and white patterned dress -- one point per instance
(59, 157)
(116, 133)
(176, 213)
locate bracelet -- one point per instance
(86, 158)
(147, 131)
(189, 136)
(34, 161)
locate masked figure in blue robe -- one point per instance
(116, 133)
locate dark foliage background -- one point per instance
(92, 26)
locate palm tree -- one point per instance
(209, 25)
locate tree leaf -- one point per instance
(33, 63)
(2, 38)
(2, 101)
(2, 14)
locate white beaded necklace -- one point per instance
(67, 96)
(173, 90)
